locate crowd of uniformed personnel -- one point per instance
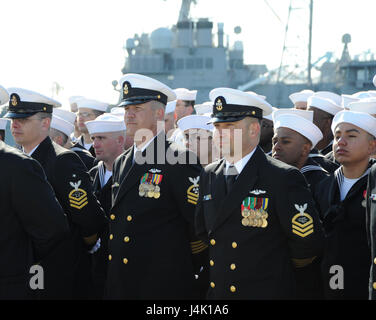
(162, 198)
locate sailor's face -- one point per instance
(84, 115)
(232, 138)
(182, 109)
(26, 130)
(288, 146)
(302, 105)
(105, 145)
(138, 117)
(352, 144)
(200, 142)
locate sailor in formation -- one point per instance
(166, 198)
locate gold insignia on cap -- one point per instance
(77, 197)
(219, 105)
(125, 89)
(192, 192)
(14, 101)
(302, 223)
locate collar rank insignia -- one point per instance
(78, 196)
(257, 192)
(302, 223)
(219, 105)
(192, 191)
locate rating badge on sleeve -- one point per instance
(77, 197)
(302, 223)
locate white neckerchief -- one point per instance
(239, 165)
(104, 174)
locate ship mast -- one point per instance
(184, 10)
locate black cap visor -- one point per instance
(15, 115)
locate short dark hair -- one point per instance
(2, 135)
(56, 133)
(44, 115)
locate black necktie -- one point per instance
(230, 177)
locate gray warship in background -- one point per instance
(191, 55)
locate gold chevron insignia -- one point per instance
(192, 191)
(78, 198)
(302, 224)
(198, 246)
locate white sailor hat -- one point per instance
(364, 105)
(65, 114)
(336, 98)
(347, 99)
(360, 119)
(24, 103)
(3, 123)
(374, 80)
(301, 96)
(106, 122)
(364, 94)
(4, 95)
(299, 124)
(234, 105)
(62, 125)
(138, 89)
(185, 94)
(204, 108)
(74, 99)
(170, 107)
(270, 116)
(307, 114)
(118, 111)
(323, 104)
(92, 104)
(256, 94)
(195, 122)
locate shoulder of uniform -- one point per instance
(279, 165)
(323, 186)
(310, 168)
(11, 156)
(93, 170)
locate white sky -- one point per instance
(79, 44)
